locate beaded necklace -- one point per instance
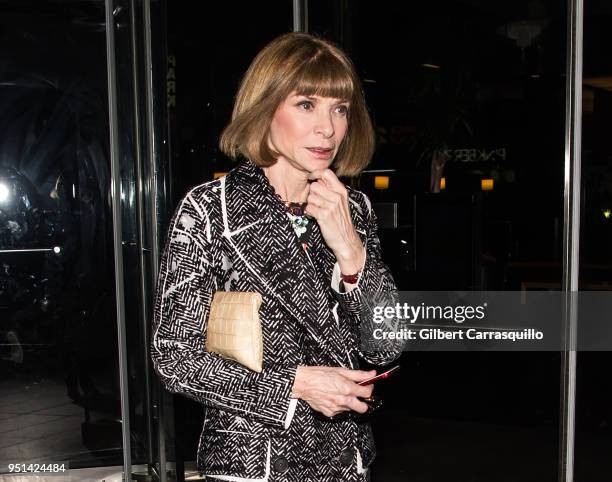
(300, 221)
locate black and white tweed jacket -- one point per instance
(232, 234)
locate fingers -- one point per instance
(331, 390)
(328, 179)
(359, 406)
(356, 390)
(351, 391)
(324, 201)
(357, 375)
(344, 403)
(316, 174)
(318, 189)
(318, 206)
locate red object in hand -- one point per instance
(382, 376)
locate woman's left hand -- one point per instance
(328, 204)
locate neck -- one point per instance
(289, 183)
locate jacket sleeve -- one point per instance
(374, 284)
(190, 272)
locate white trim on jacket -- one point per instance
(233, 478)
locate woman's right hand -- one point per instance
(332, 390)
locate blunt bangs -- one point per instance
(326, 76)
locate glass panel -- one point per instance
(594, 386)
(58, 333)
(468, 99)
(210, 46)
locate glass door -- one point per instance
(60, 397)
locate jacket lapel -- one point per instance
(260, 233)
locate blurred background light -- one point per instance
(381, 182)
(486, 184)
(4, 192)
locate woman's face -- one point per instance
(307, 130)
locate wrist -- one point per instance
(298, 383)
(352, 261)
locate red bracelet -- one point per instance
(350, 278)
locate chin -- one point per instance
(318, 164)
(309, 164)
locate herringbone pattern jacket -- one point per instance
(232, 234)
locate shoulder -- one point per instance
(213, 190)
(204, 193)
(202, 197)
(199, 208)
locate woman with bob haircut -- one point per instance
(283, 225)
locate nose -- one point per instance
(325, 124)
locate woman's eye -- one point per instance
(343, 109)
(306, 104)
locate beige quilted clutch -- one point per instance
(234, 329)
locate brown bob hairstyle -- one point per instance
(306, 65)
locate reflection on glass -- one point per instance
(468, 101)
(4, 193)
(58, 348)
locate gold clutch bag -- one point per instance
(234, 329)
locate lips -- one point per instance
(321, 152)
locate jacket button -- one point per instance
(280, 465)
(346, 457)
